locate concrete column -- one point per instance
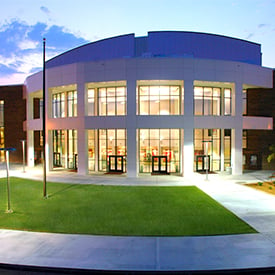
(188, 150)
(30, 148)
(82, 135)
(132, 154)
(237, 132)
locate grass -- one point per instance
(115, 210)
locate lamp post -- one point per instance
(207, 158)
(23, 152)
(44, 121)
(7, 150)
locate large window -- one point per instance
(91, 150)
(112, 101)
(211, 101)
(111, 142)
(227, 148)
(65, 148)
(58, 105)
(159, 142)
(212, 137)
(159, 100)
(106, 101)
(91, 102)
(64, 104)
(72, 104)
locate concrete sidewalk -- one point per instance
(156, 253)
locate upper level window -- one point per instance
(72, 103)
(227, 102)
(58, 105)
(159, 100)
(212, 101)
(64, 104)
(106, 101)
(112, 101)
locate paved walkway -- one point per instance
(155, 253)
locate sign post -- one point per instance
(7, 151)
(206, 158)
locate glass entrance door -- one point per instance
(202, 163)
(159, 164)
(116, 164)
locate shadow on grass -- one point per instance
(68, 187)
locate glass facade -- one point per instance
(210, 142)
(154, 146)
(91, 150)
(65, 149)
(212, 101)
(112, 142)
(159, 142)
(159, 100)
(64, 104)
(106, 101)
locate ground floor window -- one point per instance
(65, 149)
(104, 143)
(214, 143)
(159, 142)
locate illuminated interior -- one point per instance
(65, 149)
(111, 142)
(216, 139)
(159, 142)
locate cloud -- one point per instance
(45, 10)
(262, 25)
(21, 47)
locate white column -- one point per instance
(131, 129)
(30, 148)
(82, 135)
(188, 150)
(237, 132)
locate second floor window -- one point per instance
(106, 101)
(159, 100)
(211, 101)
(64, 104)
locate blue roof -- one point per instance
(164, 44)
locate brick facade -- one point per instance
(14, 116)
(261, 102)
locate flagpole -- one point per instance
(44, 121)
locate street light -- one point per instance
(23, 152)
(7, 150)
(207, 158)
(44, 122)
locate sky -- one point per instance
(67, 24)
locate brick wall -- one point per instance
(14, 116)
(261, 102)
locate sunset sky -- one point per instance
(70, 23)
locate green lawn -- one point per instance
(115, 210)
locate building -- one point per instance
(261, 103)
(168, 102)
(12, 117)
